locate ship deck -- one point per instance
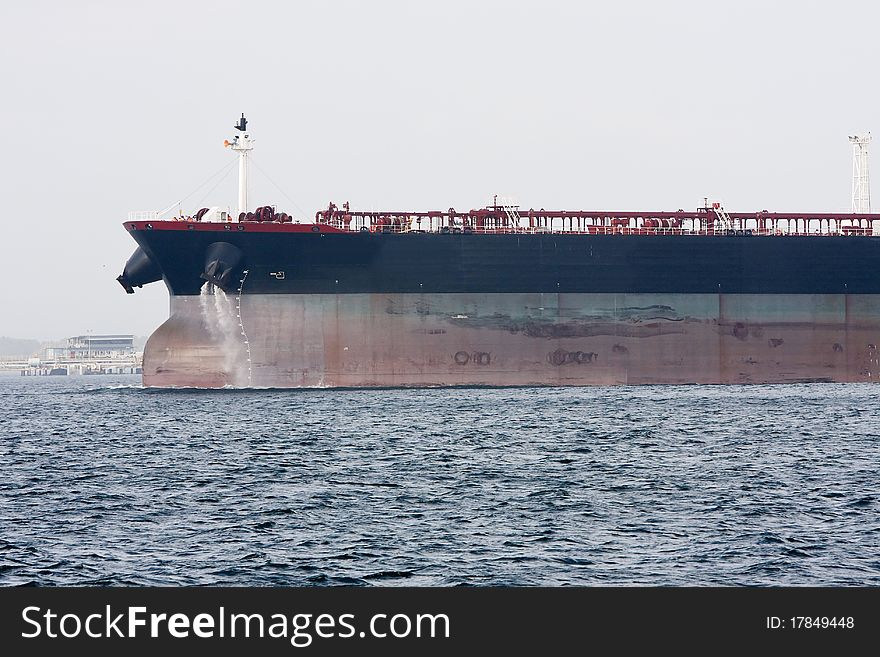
(499, 219)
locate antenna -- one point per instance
(861, 184)
(243, 144)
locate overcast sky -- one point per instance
(109, 107)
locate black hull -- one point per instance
(364, 263)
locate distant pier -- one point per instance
(73, 367)
(82, 355)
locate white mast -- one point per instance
(861, 185)
(243, 144)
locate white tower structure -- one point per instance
(243, 144)
(861, 185)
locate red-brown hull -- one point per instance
(319, 340)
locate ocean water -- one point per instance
(107, 483)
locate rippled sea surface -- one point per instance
(105, 482)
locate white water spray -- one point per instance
(208, 314)
(224, 312)
(219, 317)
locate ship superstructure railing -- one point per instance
(508, 219)
(144, 215)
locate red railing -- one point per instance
(506, 219)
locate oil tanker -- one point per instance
(504, 296)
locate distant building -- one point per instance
(93, 346)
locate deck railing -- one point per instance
(500, 219)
